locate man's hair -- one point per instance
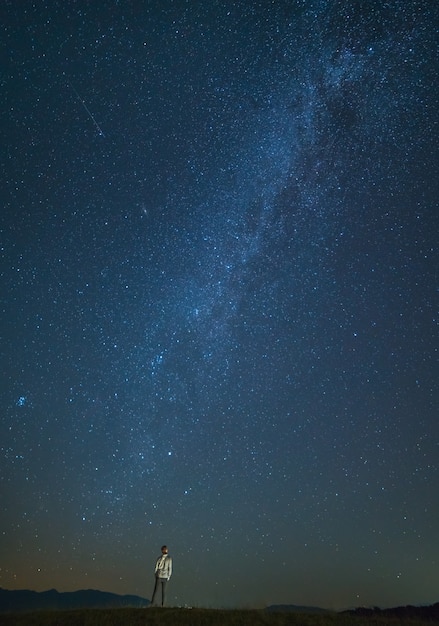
(163, 547)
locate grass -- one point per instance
(195, 617)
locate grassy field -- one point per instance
(196, 617)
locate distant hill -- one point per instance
(24, 600)
(295, 609)
(430, 612)
(15, 601)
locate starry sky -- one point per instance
(219, 299)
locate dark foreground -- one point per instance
(200, 617)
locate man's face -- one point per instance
(164, 550)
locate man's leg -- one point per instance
(156, 586)
(164, 583)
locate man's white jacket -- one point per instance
(163, 567)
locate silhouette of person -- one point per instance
(163, 572)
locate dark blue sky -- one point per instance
(219, 299)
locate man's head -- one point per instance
(164, 549)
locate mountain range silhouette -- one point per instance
(15, 601)
(20, 600)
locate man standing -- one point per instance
(163, 571)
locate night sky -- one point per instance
(219, 236)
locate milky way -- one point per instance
(219, 309)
